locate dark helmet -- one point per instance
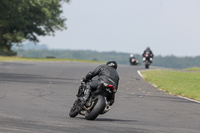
(148, 48)
(112, 64)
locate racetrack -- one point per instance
(37, 96)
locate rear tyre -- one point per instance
(147, 64)
(73, 111)
(98, 108)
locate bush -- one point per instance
(8, 53)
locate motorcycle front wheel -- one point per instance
(97, 109)
(73, 111)
(147, 64)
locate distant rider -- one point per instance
(148, 50)
(106, 74)
(133, 60)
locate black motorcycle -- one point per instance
(133, 61)
(95, 105)
(147, 61)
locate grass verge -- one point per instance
(16, 58)
(193, 69)
(176, 82)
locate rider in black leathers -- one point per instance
(106, 74)
(150, 54)
(131, 59)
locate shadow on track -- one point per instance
(107, 119)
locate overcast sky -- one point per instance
(168, 27)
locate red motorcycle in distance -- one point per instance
(133, 61)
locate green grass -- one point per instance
(16, 58)
(185, 84)
(193, 69)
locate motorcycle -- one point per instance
(133, 61)
(147, 61)
(96, 104)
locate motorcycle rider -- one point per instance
(106, 74)
(148, 50)
(131, 58)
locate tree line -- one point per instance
(122, 58)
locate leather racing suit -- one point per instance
(150, 54)
(104, 74)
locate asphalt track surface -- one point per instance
(35, 97)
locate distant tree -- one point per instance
(26, 19)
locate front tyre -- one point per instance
(73, 111)
(146, 64)
(98, 108)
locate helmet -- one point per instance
(112, 64)
(148, 48)
(131, 55)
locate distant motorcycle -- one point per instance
(96, 104)
(133, 61)
(147, 60)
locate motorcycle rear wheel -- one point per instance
(98, 108)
